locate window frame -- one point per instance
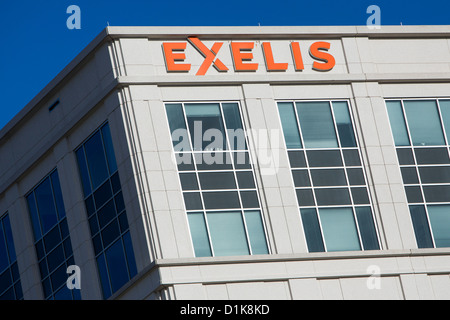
(228, 151)
(60, 220)
(102, 253)
(16, 285)
(416, 165)
(343, 167)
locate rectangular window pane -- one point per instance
(445, 112)
(235, 130)
(189, 181)
(339, 229)
(432, 156)
(437, 193)
(316, 124)
(129, 254)
(4, 260)
(249, 199)
(332, 196)
(356, 176)
(199, 235)
(34, 216)
(420, 224)
(434, 174)
(301, 178)
(424, 123)
(177, 126)
(206, 126)
(192, 201)
(217, 180)
(351, 158)
(324, 158)
(297, 159)
(221, 200)
(46, 205)
(213, 161)
(305, 197)
(9, 238)
(312, 230)
(405, 156)
(367, 228)
(344, 124)
(117, 265)
(327, 177)
(245, 179)
(255, 229)
(410, 175)
(289, 125)
(397, 121)
(440, 224)
(83, 171)
(96, 160)
(414, 194)
(107, 140)
(103, 272)
(227, 233)
(56, 187)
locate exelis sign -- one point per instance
(242, 56)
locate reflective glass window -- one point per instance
(219, 188)
(426, 168)
(10, 285)
(52, 238)
(328, 175)
(106, 210)
(424, 123)
(317, 125)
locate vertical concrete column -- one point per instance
(128, 163)
(77, 220)
(272, 170)
(154, 191)
(24, 244)
(385, 180)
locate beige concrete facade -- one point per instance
(121, 78)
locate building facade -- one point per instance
(234, 163)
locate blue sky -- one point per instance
(36, 44)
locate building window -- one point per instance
(52, 239)
(328, 176)
(217, 179)
(10, 286)
(106, 211)
(421, 131)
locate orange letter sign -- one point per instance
(209, 56)
(239, 57)
(172, 56)
(270, 63)
(297, 54)
(325, 57)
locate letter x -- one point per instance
(209, 56)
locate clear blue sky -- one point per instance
(36, 44)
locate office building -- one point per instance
(234, 163)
